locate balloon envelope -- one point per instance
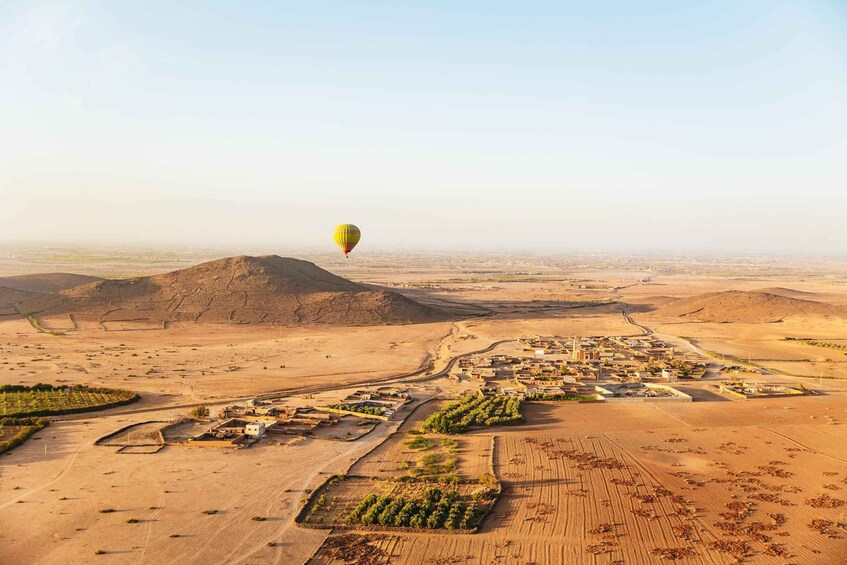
(347, 236)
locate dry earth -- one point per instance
(585, 483)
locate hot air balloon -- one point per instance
(347, 236)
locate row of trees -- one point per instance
(457, 417)
(359, 408)
(46, 400)
(48, 387)
(25, 427)
(818, 343)
(434, 510)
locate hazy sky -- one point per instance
(479, 125)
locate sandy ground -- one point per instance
(701, 457)
(53, 488)
(211, 362)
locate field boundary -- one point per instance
(125, 428)
(299, 519)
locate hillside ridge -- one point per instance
(747, 306)
(242, 289)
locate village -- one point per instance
(585, 369)
(608, 369)
(246, 423)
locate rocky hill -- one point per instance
(242, 290)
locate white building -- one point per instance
(254, 429)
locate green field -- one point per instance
(359, 409)
(474, 411)
(434, 510)
(15, 431)
(18, 401)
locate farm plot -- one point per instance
(46, 400)
(760, 491)
(410, 453)
(368, 503)
(15, 431)
(474, 411)
(650, 496)
(137, 435)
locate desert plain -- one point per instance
(720, 479)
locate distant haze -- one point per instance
(626, 126)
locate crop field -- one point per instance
(474, 411)
(15, 431)
(45, 400)
(646, 491)
(359, 409)
(364, 502)
(409, 452)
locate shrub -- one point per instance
(418, 443)
(199, 412)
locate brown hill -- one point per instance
(46, 282)
(741, 306)
(246, 290)
(789, 292)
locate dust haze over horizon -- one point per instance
(561, 126)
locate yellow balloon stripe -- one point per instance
(347, 236)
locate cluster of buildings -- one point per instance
(243, 424)
(560, 366)
(381, 403)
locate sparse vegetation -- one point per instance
(451, 445)
(435, 467)
(419, 443)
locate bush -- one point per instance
(418, 443)
(199, 412)
(450, 445)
